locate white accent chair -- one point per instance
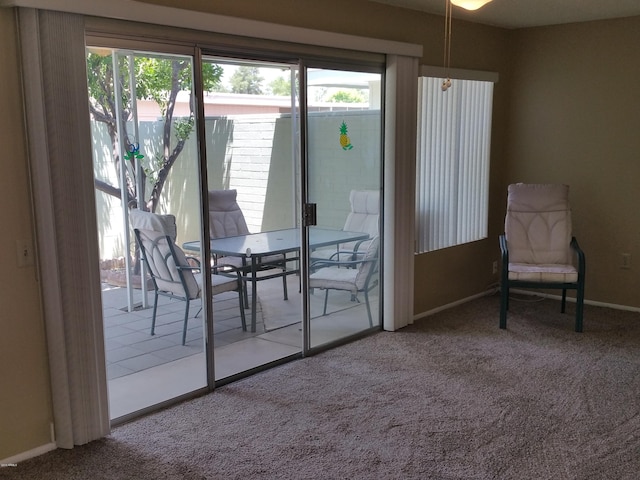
(360, 276)
(169, 269)
(538, 249)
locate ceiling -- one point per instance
(530, 13)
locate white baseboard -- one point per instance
(454, 304)
(21, 457)
(524, 292)
(615, 306)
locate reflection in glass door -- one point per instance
(145, 157)
(344, 165)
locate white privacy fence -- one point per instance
(255, 155)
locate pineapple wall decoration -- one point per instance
(345, 141)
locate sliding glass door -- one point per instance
(344, 193)
(224, 161)
(145, 157)
(251, 132)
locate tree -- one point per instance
(159, 79)
(280, 86)
(246, 80)
(344, 96)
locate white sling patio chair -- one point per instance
(359, 277)
(227, 220)
(167, 265)
(364, 217)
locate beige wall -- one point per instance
(575, 118)
(567, 101)
(25, 411)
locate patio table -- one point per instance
(254, 246)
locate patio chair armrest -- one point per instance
(504, 249)
(504, 260)
(188, 267)
(336, 263)
(580, 254)
(356, 247)
(195, 260)
(226, 269)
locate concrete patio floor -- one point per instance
(145, 370)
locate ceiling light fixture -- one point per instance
(470, 4)
(446, 83)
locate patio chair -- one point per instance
(360, 277)
(227, 220)
(171, 273)
(363, 217)
(538, 249)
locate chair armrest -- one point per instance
(187, 267)
(578, 251)
(504, 248)
(335, 263)
(226, 270)
(192, 260)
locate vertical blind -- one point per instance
(453, 146)
(57, 111)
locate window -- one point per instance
(452, 175)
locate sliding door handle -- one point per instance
(309, 215)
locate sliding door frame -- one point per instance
(70, 281)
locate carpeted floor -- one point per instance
(451, 397)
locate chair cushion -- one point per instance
(225, 216)
(365, 212)
(351, 279)
(220, 284)
(154, 229)
(363, 217)
(538, 224)
(555, 273)
(165, 224)
(191, 280)
(335, 278)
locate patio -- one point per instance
(144, 370)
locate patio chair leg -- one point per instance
(186, 317)
(245, 293)
(242, 315)
(366, 299)
(326, 297)
(153, 317)
(284, 283)
(564, 300)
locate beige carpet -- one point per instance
(451, 397)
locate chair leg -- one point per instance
(245, 292)
(326, 297)
(153, 317)
(242, 315)
(366, 300)
(564, 300)
(186, 318)
(504, 305)
(284, 283)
